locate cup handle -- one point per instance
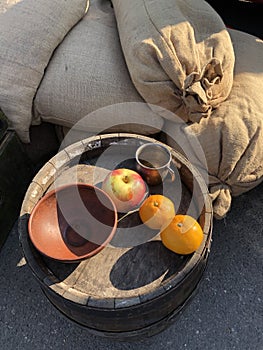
(172, 174)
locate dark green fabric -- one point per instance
(15, 175)
(3, 124)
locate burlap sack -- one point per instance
(87, 73)
(232, 138)
(178, 52)
(29, 33)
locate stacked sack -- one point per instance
(30, 31)
(86, 88)
(232, 137)
(61, 61)
(178, 52)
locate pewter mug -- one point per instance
(153, 163)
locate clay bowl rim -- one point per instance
(84, 256)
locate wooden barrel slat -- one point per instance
(76, 297)
(107, 303)
(32, 196)
(134, 283)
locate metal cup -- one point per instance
(153, 163)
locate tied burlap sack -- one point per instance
(232, 138)
(29, 33)
(87, 73)
(178, 52)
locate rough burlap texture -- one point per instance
(30, 31)
(87, 73)
(178, 52)
(232, 137)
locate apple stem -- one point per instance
(156, 204)
(126, 179)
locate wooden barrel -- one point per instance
(135, 287)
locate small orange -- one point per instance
(156, 211)
(183, 235)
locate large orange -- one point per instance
(183, 235)
(156, 211)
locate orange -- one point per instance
(183, 235)
(156, 211)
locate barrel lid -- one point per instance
(134, 273)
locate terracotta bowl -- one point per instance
(73, 222)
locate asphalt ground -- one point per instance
(226, 313)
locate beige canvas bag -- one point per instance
(178, 52)
(87, 84)
(30, 31)
(232, 137)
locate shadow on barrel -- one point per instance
(144, 264)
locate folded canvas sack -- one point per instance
(29, 33)
(231, 139)
(178, 52)
(87, 73)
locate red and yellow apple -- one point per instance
(126, 188)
